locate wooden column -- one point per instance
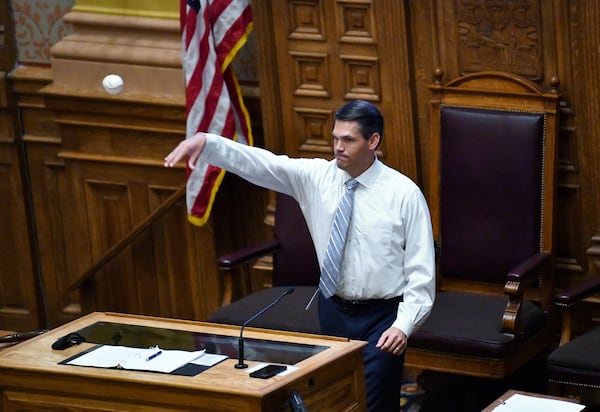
(589, 123)
(21, 299)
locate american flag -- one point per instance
(213, 31)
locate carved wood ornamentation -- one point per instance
(316, 129)
(311, 72)
(356, 23)
(500, 35)
(306, 20)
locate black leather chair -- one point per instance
(294, 265)
(491, 194)
(573, 368)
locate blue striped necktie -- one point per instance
(335, 248)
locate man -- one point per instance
(385, 283)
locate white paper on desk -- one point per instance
(519, 403)
(208, 359)
(108, 356)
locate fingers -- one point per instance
(399, 349)
(191, 147)
(192, 160)
(392, 340)
(395, 347)
(176, 155)
(173, 158)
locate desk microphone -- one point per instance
(296, 403)
(241, 364)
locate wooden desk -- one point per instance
(32, 379)
(511, 392)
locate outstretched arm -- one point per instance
(191, 147)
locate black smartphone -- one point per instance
(268, 371)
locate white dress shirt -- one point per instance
(389, 249)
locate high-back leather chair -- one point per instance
(492, 166)
(294, 265)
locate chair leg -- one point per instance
(227, 289)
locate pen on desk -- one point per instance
(502, 402)
(154, 355)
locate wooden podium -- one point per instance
(330, 378)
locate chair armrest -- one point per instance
(575, 294)
(247, 254)
(522, 275)
(530, 269)
(226, 263)
(567, 298)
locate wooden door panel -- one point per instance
(331, 52)
(18, 294)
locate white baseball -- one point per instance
(113, 84)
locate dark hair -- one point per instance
(368, 117)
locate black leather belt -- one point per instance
(363, 303)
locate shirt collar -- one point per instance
(368, 177)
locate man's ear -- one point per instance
(374, 141)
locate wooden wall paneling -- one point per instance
(74, 227)
(50, 183)
(18, 294)
(331, 52)
(112, 148)
(113, 157)
(184, 282)
(425, 58)
(179, 268)
(42, 139)
(398, 91)
(302, 73)
(21, 296)
(446, 40)
(586, 62)
(96, 166)
(107, 208)
(570, 259)
(558, 45)
(39, 135)
(269, 74)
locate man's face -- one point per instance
(352, 151)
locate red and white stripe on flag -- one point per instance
(212, 32)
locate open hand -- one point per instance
(190, 147)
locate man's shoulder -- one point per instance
(394, 177)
